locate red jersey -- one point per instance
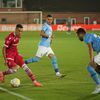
(12, 56)
(11, 43)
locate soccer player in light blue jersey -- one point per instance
(93, 44)
(44, 47)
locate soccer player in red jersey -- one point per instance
(12, 58)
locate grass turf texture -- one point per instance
(72, 58)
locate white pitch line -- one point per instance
(15, 94)
(26, 98)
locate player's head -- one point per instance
(18, 30)
(80, 33)
(49, 19)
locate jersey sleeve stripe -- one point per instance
(9, 59)
(5, 45)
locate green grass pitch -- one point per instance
(72, 58)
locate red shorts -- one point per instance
(14, 59)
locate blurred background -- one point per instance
(75, 13)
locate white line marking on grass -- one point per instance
(15, 94)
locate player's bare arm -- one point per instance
(91, 56)
(90, 52)
(4, 54)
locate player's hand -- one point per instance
(92, 63)
(92, 60)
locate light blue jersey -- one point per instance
(48, 30)
(94, 40)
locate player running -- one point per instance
(44, 47)
(12, 58)
(93, 43)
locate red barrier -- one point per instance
(37, 27)
(75, 27)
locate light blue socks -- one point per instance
(30, 60)
(94, 74)
(54, 63)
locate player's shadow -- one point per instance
(88, 97)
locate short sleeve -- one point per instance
(88, 38)
(8, 40)
(44, 28)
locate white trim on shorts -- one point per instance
(44, 51)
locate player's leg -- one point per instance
(33, 59)
(53, 58)
(92, 69)
(12, 69)
(93, 74)
(20, 62)
(95, 77)
(31, 75)
(39, 54)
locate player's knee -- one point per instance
(51, 56)
(14, 70)
(24, 66)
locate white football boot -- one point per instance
(97, 90)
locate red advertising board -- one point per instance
(75, 27)
(37, 27)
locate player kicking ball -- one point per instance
(44, 47)
(12, 58)
(93, 43)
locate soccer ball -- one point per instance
(15, 82)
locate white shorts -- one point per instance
(44, 51)
(97, 59)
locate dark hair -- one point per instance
(49, 15)
(19, 26)
(80, 30)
